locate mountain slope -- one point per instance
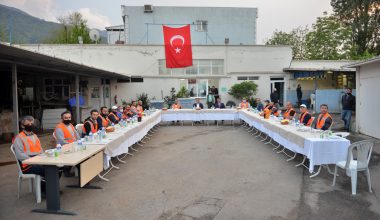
(27, 29)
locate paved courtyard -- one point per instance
(204, 172)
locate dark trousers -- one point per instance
(38, 170)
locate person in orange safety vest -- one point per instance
(324, 120)
(65, 132)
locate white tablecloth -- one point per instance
(318, 151)
(199, 115)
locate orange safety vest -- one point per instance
(31, 145)
(287, 113)
(117, 118)
(303, 116)
(68, 135)
(276, 113)
(321, 120)
(140, 109)
(267, 113)
(94, 129)
(105, 121)
(244, 105)
(176, 106)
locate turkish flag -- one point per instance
(178, 47)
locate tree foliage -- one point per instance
(244, 89)
(363, 17)
(73, 27)
(296, 38)
(329, 39)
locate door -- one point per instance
(280, 87)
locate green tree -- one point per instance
(73, 27)
(329, 39)
(296, 38)
(364, 18)
(244, 89)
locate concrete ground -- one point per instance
(205, 172)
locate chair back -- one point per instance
(79, 128)
(363, 153)
(18, 164)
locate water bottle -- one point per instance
(100, 136)
(103, 132)
(58, 150)
(91, 137)
(80, 146)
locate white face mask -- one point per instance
(244, 101)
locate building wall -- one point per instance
(142, 60)
(367, 106)
(237, 24)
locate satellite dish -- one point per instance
(94, 35)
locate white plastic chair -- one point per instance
(31, 177)
(79, 128)
(341, 134)
(352, 166)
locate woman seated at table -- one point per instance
(91, 124)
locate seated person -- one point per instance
(259, 105)
(244, 104)
(91, 123)
(219, 104)
(113, 115)
(140, 107)
(198, 104)
(120, 111)
(290, 112)
(65, 132)
(103, 120)
(267, 104)
(127, 112)
(305, 117)
(176, 105)
(275, 111)
(134, 108)
(267, 110)
(324, 120)
(26, 145)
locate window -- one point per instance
(131, 80)
(201, 25)
(200, 67)
(58, 89)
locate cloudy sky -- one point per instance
(273, 14)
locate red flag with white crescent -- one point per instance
(178, 51)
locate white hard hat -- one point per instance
(114, 107)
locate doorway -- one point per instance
(279, 85)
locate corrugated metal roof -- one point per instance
(363, 62)
(320, 65)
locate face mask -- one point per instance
(66, 122)
(29, 128)
(244, 101)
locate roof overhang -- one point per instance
(37, 62)
(363, 62)
(318, 70)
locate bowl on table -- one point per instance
(50, 152)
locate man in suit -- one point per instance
(198, 104)
(219, 103)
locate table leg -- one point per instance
(317, 173)
(52, 193)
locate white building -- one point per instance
(219, 66)
(367, 91)
(209, 25)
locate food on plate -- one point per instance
(285, 121)
(110, 129)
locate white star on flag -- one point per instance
(177, 50)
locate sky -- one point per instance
(272, 14)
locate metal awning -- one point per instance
(39, 63)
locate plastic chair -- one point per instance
(352, 166)
(31, 177)
(341, 134)
(79, 128)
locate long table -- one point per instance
(199, 115)
(90, 162)
(318, 151)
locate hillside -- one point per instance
(27, 29)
